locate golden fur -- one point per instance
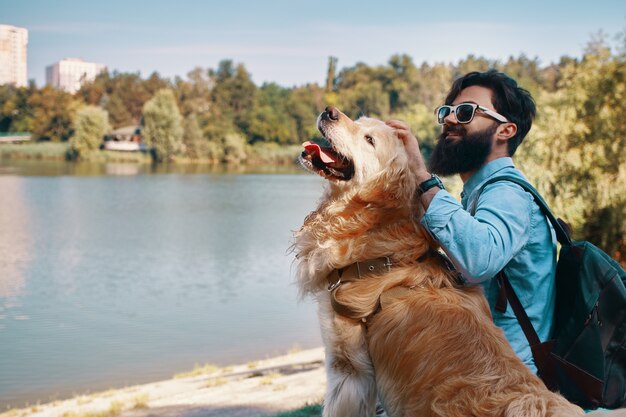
(432, 350)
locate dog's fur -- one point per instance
(432, 349)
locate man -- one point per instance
(485, 117)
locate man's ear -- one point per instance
(506, 131)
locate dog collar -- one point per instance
(351, 273)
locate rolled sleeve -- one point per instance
(481, 246)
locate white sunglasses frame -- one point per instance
(495, 115)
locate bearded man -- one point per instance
(485, 117)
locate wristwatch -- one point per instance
(433, 181)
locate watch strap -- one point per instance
(433, 181)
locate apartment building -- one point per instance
(13, 54)
(70, 73)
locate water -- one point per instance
(111, 280)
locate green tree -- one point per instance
(194, 94)
(233, 93)
(162, 129)
(52, 113)
(304, 104)
(575, 153)
(270, 120)
(234, 146)
(423, 125)
(16, 115)
(122, 95)
(331, 73)
(404, 83)
(195, 145)
(91, 123)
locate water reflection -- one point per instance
(56, 168)
(15, 242)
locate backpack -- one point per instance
(585, 360)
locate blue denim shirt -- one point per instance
(507, 232)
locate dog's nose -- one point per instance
(333, 113)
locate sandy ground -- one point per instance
(261, 388)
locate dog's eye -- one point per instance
(370, 140)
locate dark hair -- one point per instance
(510, 100)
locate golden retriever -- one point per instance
(395, 323)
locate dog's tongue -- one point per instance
(314, 148)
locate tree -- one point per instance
(270, 120)
(91, 123)
(331, 74)
(195, 145)
(233, 93)
(403, 85)
(423, 125)
(575, 152)
(162, 125)
(52, 113)
(234, 146)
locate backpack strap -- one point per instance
(507, 293)
(562, 234)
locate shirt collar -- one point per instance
(485, 172)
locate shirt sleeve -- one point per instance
(482, 245)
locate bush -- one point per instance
(90, 125)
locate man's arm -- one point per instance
(416, 161)
(478, 246)
(483, 245)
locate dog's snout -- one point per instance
(331, 113)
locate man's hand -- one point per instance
(416, 161)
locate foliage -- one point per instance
(576, 153)
(90, 125)
(162, 128)
(192, 138)
(313, 410)
(122, 94)
(234, 146)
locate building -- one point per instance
(13, 53)
(70, 73)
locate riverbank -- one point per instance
(262, 388)
(257, 154)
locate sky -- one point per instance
(289, 42)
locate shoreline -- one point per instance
(261, 388)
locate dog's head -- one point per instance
(370, 210)
(354, 152)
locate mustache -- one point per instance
(453, 129)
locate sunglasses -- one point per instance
(465, 112)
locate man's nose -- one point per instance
(450, 119)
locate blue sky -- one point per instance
(289, 42)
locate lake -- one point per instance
(118, 274)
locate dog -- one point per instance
(395, 322)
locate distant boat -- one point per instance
(126, 139)
(122, 145)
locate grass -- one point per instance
(313, 410)
(140, 401)
(198, 370)
(215, 382)
(269, 378)
(35, 150)
(115, 409)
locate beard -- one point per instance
(465, 154)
